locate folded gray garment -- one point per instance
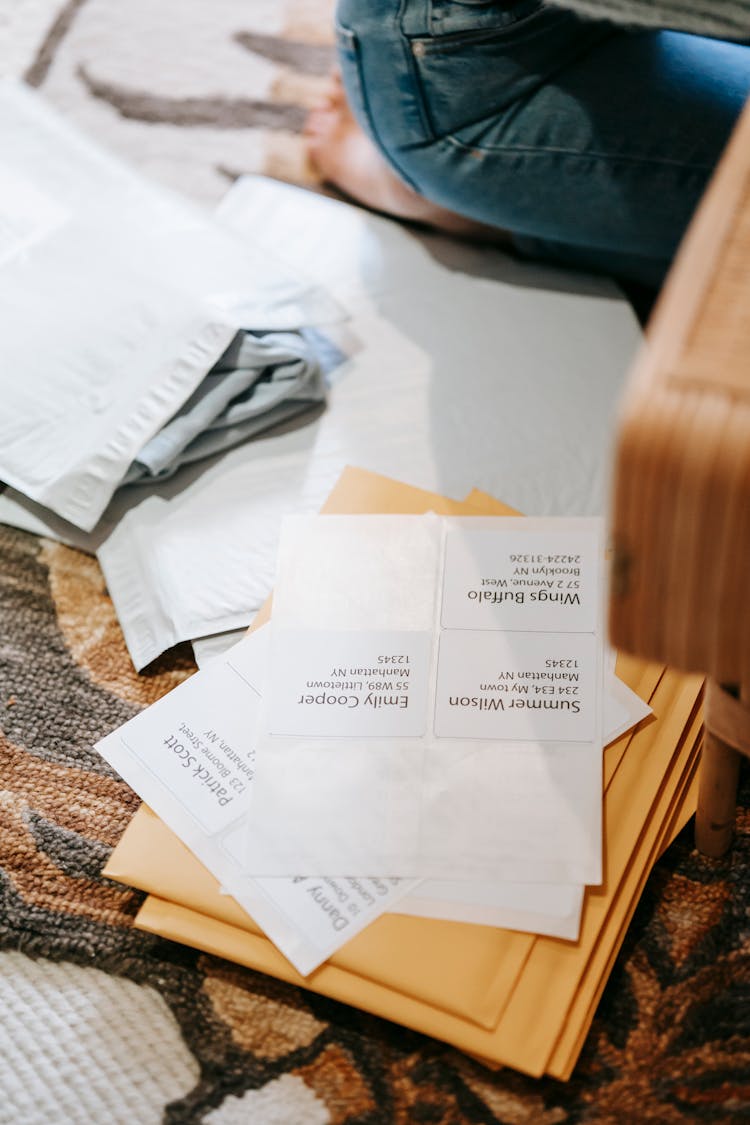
(261, 379)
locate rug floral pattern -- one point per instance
(227, 92)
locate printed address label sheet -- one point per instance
(433, 701)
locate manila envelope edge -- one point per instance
(554, 969)
(221, 939)
(581, 1013)
(413, 500)
(681, 808)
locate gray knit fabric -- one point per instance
(259, 382)
(723, 19)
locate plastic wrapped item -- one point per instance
(118, 297)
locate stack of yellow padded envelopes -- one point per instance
(508, 998)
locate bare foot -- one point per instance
(344, 156)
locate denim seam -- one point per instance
(513, 32)
(388, 157)
(416, 85)
(539, 150)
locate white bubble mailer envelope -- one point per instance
(117, 297)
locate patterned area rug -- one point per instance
(195, 94)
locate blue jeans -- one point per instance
(591, 145)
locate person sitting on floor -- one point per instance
(575, 139)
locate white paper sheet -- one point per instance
(431, 751)
(552, 909)
(450, 347)
(622, 708)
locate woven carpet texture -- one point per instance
(103, 1023)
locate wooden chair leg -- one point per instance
(726, 738)
(717, 796)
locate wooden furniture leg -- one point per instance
(726, 738)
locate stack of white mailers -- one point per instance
(445, 365)
(418, 729)
(118, 300)
(141, 340)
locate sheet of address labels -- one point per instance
(433, 701)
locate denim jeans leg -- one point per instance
(593, 146)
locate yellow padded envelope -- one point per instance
(510, 998)
(208, 920)
(466, 970)
(213, 935)
(203, 931)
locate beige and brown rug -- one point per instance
(103, 1024)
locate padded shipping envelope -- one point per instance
(509, 998)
